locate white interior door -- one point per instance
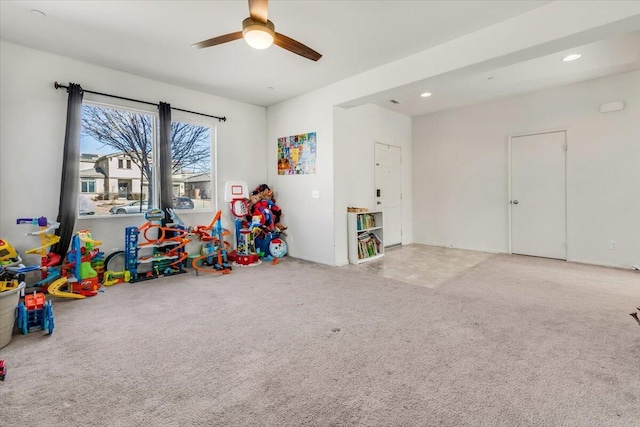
(388, 177)
(538, 201)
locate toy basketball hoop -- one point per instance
(235, 190)
(240, 208)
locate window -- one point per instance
(192, 166)
(117, 147)
(88, 186)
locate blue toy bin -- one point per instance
(262, 243)
(8, 303)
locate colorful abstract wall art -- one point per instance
(297, 154)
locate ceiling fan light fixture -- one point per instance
(257, 34)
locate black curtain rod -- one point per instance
(59, 86)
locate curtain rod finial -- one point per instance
(56, 85)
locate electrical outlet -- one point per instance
(613, 245)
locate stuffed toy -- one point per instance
(263, 205)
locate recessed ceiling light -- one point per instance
(573, 57)
(38, 12)
(425, 94)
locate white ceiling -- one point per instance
(154, 38)
(465, 87)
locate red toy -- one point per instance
(3, 370)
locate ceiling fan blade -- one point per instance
(219, 40)
(259, 10)
(296, 47)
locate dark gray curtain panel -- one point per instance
(166, 168)
(68, 207)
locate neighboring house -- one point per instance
(116, 174)
(92, 182)
(198, 186)
(112, 174)
(178, 185)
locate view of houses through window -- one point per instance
(117, 152)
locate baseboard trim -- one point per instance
(603, 264)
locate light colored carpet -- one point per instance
(513, 341)
(422, 265)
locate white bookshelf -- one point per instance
(366, 237)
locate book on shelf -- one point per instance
(366, 221)
(368, 245)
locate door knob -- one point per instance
(515, 202)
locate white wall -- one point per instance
(310, 220)
(460, 169)
(311, 234)
(355, 132)
(32, 126)
(345, 154)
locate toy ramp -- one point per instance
(54, 289)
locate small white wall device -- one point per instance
(610, 107)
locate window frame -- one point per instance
(155, 155)
(177, 116)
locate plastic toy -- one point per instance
(47, 239)
(214, 249)
(111, 278)
(265, 222)
(79, 279)
(236, 193)
(8, 255)
(277, 248)
(48, 260)
(76, 278)
(35, 314)
(3, 370)
(168, 256)
(7, 285)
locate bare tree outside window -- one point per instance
(130, 134)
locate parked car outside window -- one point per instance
(182, 202)
(130, 208)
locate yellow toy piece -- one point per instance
(7, 252)
(54, 289)
(46, 240)
(7, 285)
(115, 277)
(85, 236)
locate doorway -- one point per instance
(388, 185)
(537, 197)
(123, 188)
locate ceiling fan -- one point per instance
(260, 33)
